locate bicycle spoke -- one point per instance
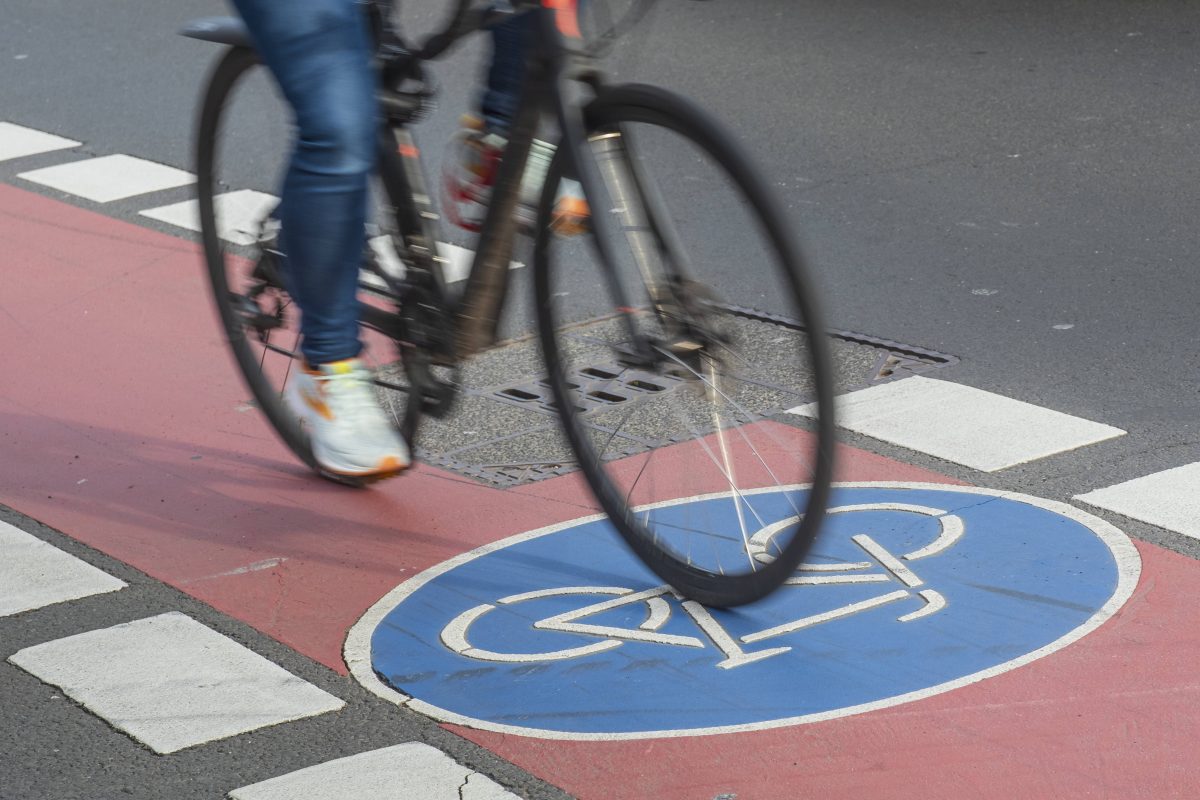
(747, 413)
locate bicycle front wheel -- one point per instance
(673, 360)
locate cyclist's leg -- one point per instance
(485, 137)
(319, 51)
(510, 42)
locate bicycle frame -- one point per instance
(555, 62)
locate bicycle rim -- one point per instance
(716, 290)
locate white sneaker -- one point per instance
(351, 436)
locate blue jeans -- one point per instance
(320, 54)
(510, 42)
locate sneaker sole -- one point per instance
(388, 468)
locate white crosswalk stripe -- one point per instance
(239, 214)
(1168, 499)
(34, 574)
(171, 682)
(423, 771)
(19, 142)
(962, 424)
(109, 178)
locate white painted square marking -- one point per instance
(1168, 499)
(35, 574)
(239, 214)
(968, 426)
(18, 142)
(385, 254)
(110, 178)
(407, 770)
(457, 262)
(171, 682)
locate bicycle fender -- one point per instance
(222, 30)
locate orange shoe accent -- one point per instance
(388, 467)
(317, 405)
(390, 464)
(570, 216)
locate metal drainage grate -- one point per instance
(504, 430)
(599, 386)
(505, 475)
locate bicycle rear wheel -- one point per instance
(673, 403)
(260, 321)
(242, 148)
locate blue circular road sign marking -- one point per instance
(914, 589)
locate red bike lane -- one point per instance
(124, 426)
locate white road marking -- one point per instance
(934, 602)
(170, 682)
(457, 260)
(406, 770)
(887, 560)
(968, 426)
(1168, 499)
(735, 656)
(34, 574)
(357, 649)
(238, 214)
(385, 254)
(109, 178)
(835, 580)
(18, 142)
(848, 610)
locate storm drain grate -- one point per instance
(504, 475)
(598, 386)
(503, 431)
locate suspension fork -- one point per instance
(638, 187)
(582, 164)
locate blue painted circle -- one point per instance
(1019, 578)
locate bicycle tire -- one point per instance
(613, 108)
(230, 69)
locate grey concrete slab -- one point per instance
(170, 682)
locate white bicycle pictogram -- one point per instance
(880, 566)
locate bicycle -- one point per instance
(666, 334)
